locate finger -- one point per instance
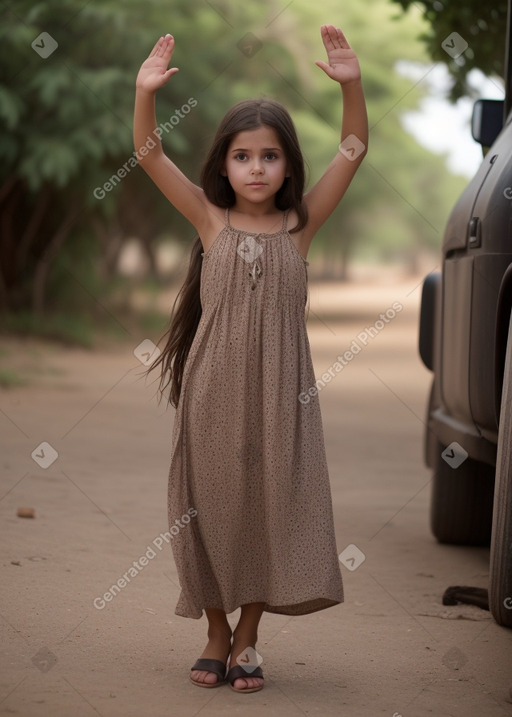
(155, 48)
(333, 35)
(327, 37)
(344, 43)
(166, 47)
(325, 67)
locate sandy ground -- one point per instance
(392, 648)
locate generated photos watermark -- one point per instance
(44, 659)
(44, 455)
(249, 44)
(351, 147)
(454, 45)
(146, 352)
(44, 45)
(138, 566)
(454, 455)
(249, 659)
(144, 150)
(358, 344)
(352, 557)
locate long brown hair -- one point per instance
(186, 311)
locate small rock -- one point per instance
(26, 513)
(15, 562)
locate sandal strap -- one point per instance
(238, 671)
(209, 665)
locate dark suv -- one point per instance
(466, 341)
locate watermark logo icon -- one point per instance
(507, 192)
(454, 455)
(454, 659)
(351, 147)
(352, 557)
(44, 45)
(507, 603)
(249, 44)
(44, 455)
(455, 45)
(249, 249)
(44, 659)
(249, 659)
(146, 352)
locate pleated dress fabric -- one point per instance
(250, 509)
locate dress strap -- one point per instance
(226, 217)
(285, 217)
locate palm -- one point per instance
(342, 64)
(153, 72)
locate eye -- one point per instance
(241, 156)
(271, 155)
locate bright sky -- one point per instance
(441, 126)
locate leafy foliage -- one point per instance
(482, 25)
(66, 129)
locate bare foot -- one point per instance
(218, 647)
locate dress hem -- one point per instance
(306, 607)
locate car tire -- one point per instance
(462, 501)
(500, 579)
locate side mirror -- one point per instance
(487, 121)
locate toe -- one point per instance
(210, 678)
(246, 683)
(202, 676)
(196, 675)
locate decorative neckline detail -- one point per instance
(257, 234)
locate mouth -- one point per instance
(256, 184)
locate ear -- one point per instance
(288, 170)
(223, 172)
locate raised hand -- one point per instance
(153, 72)
(342, 64)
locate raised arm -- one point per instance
(342, 67)
(187, 197)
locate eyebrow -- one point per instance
(264, 149)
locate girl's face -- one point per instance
(256, 165)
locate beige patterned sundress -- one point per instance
(250, 510)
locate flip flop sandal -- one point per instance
(208, 665)
(238, 671)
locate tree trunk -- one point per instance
(43, 265)
(33, 226)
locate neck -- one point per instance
(250, 209)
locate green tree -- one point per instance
(481, 25)
(66, 128)
(402, 194)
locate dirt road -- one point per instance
(73, 645)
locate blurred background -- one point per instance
(89, 248)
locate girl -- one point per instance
(248, 466)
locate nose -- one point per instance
(257, 167)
